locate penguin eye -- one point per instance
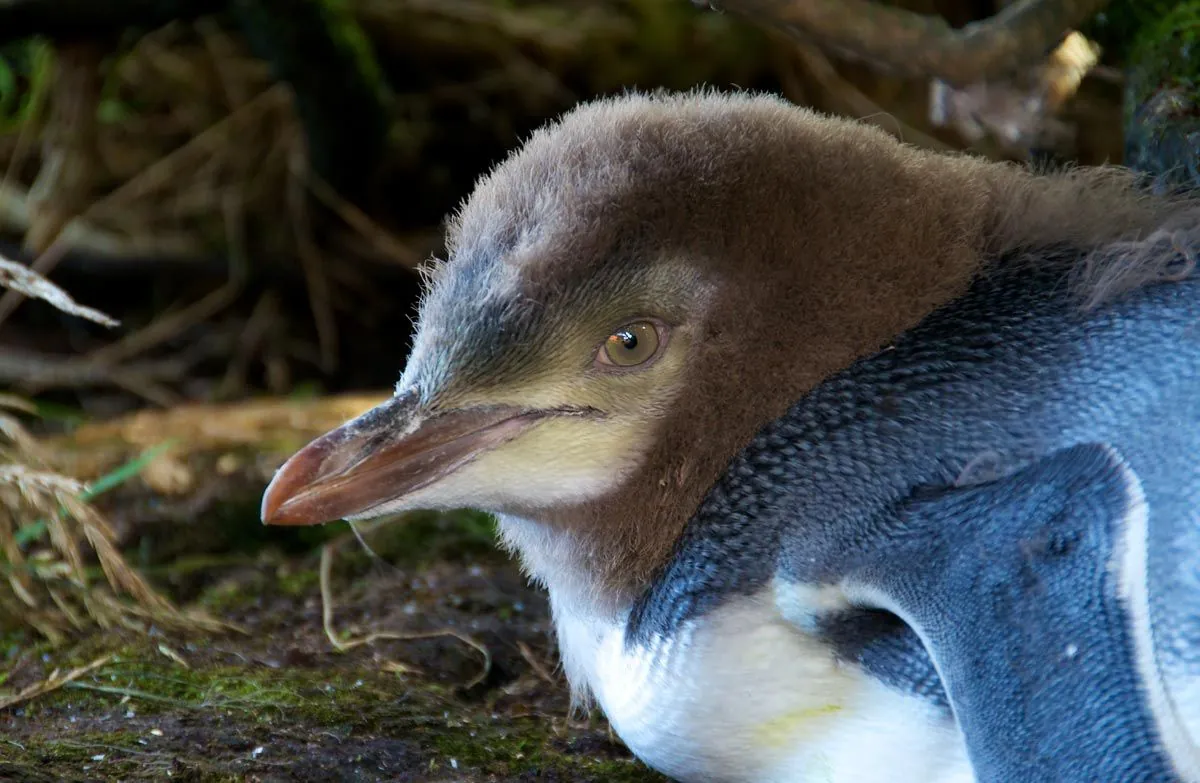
(631, 345)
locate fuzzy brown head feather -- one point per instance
(766, 246)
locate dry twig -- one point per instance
(538, 667)
(55, 681)
(29, 283)
(380, 238)
(315, 276)
(342, 645)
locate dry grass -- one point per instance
(56, 680)
(166, 170)
(49, 531)
(191, 150)
(195, 144)
(26, 282)
(184, 148)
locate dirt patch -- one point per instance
(279, 703)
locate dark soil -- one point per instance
(281, 704)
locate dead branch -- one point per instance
(82, 234)
(917, 45)
(70, 158)
(841, 96)
(167, 326)
(311, 261)
(385, 243)
(1019, 111)
(31, 371)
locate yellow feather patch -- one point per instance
(783, 728)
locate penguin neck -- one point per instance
(573, 566)
(586, 605)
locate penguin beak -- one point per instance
(392, 450)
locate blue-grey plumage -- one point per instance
(655, 355)
(1022, 590)
(1004, 426)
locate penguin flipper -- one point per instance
(1029, 594)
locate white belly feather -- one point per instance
(746, 696)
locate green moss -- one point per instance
(141, 676)
(14, 640)
(77, 756)
(152, 683)
(228, 596)
(533, 750)
(1162, 99)
(348, 702)
(1116, 26)
(407, 542)
(296, 582)
(1166, 53)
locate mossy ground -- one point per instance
(280, 704)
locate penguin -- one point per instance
(840, 460)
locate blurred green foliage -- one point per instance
(1119, 24)
(26, 69)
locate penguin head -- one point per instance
(631, 295)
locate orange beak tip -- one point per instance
(279, 506)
